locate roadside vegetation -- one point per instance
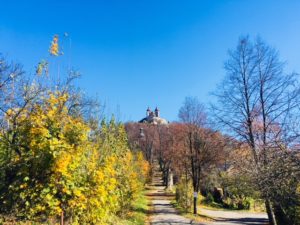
(61, 161)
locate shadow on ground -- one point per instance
(245, 221)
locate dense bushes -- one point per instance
(59, 167)
(237, 203)
(234, 192)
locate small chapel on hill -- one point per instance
(153, 117)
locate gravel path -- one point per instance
(163, 213)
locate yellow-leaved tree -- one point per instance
(67, 171)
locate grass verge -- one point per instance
(138, 215)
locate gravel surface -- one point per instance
(163, 213)
(235, 217)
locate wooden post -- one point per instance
(62, 218)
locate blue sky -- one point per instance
(135, 54)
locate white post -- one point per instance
(170, 180)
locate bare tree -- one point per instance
(254, 104)
(147, 142)
(17, 94)
(164, 150)
(202, 144)
(192, 112)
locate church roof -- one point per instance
(154, 120)
(153, 117)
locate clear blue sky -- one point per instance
(135, 54)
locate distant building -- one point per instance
(153, 117)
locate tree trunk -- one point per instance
(195, 205)
(186, 190)
(166, 177)
(270, 212)
(170, 180)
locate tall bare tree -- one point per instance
(192, 114)
(255, 101)
(202, 144)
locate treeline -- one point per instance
(244, 148)
(59, 163)
(193, 156)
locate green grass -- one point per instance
(138, 213)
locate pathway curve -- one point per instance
(163, 213)
(224, 217)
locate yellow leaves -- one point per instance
(56, 104)
(66, 191)
(143, 165)
(39, 131)
(90, 178)
(9, 113)
(93, 158)
(99, 176)
(78, 193)
(23, 186)
(40, 207)
(54, 48)
(18, 114)
(62, 163)
(56, 98)
(48, 197)
(56, 210)
(16, 159)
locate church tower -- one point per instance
(153, 117)
(156, 112)
(148, 111)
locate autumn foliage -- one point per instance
(55, 164)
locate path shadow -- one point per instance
(160, 194)
(169, 222)
(245, 221)
(164, 211)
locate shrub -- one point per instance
(184, 194)
(237, 203)
(66, 169)
(209, 198)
